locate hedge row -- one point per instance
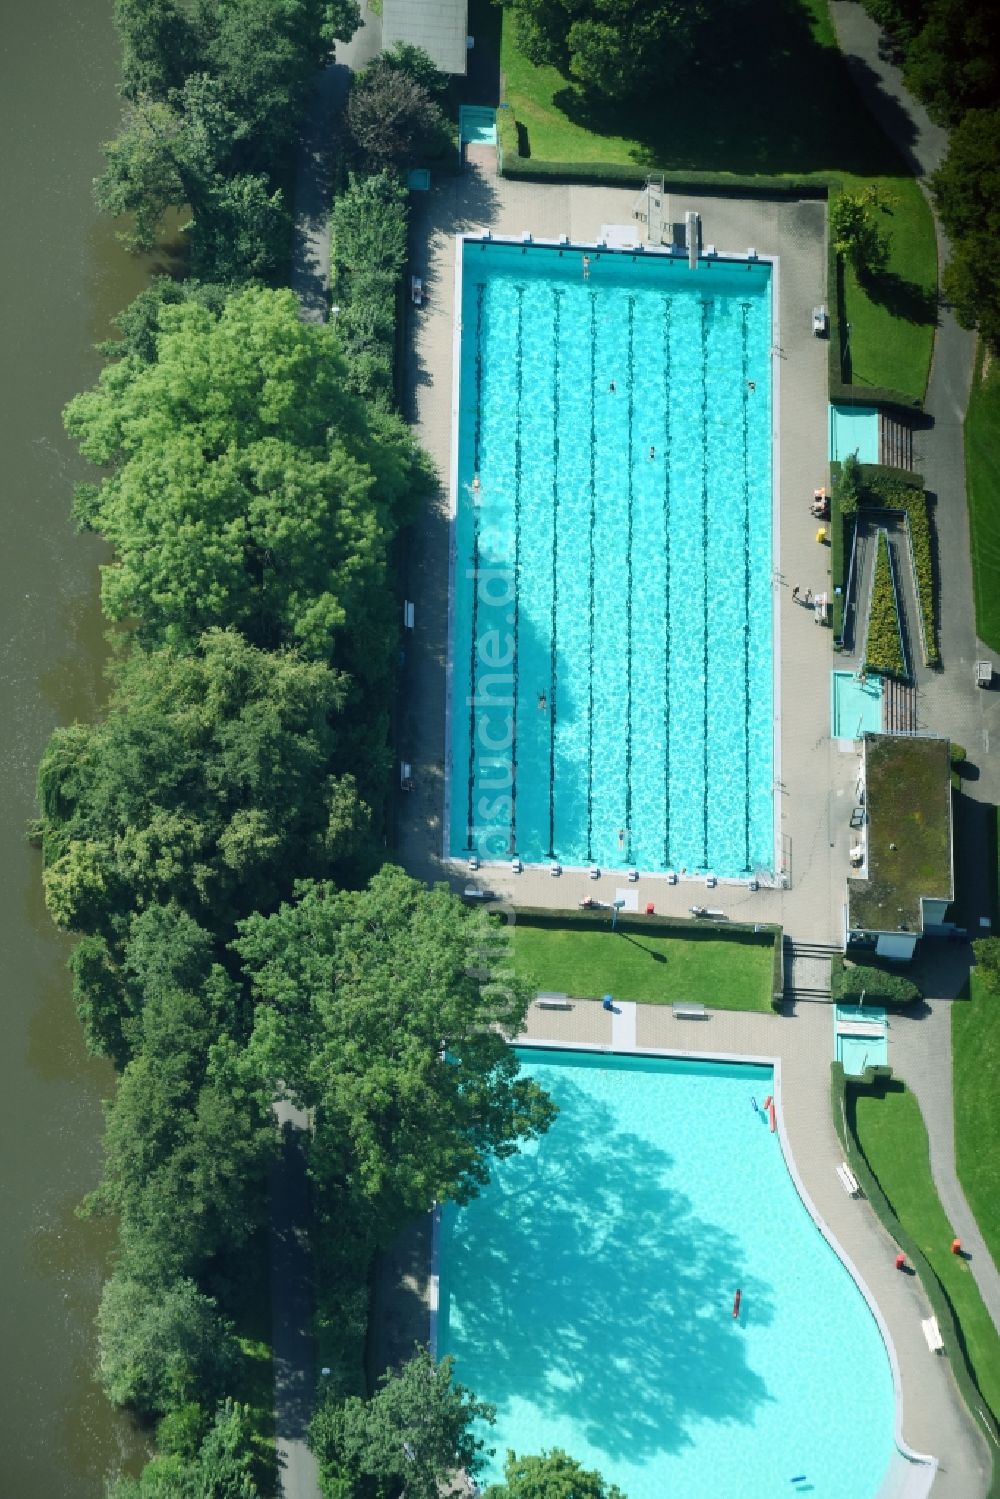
(511, 163)
(891, 494)
(879, 985)
(368, 253)
(951, 1333)
(883, 641)
(874, 476)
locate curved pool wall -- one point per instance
(612, 686)
(589, 1294)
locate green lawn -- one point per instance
(652, 966)
(814, 126)
(892, 1136)
(982, 463)
(975, 1040)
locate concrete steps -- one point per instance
(899, 707)
(807, 971)
(895, 441)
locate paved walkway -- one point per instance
(292, 1312)
(313, 182)
(949, 703)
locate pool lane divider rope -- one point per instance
(593, 524)
(704, 553)
(477, 438)
(628, 580)
(518, 454)
(745, 310)
(557, 295)
(666, 583)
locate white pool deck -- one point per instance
(814, 797)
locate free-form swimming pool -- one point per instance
(589, 1293)
(611, 667)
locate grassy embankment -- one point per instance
(653, 967)
(982, 463)
(975, 1040)
(814, 126)
(892, 1135)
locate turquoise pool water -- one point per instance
(856, 1052)
(854, 429)
(611, 694)
(855, 706)
(477, 125)
(588, 1292)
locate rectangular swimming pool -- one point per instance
(611, 641)
(855, 704)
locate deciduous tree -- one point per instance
(248, 487)
(387, 1010)
(158, 1348)
(211, 782)
(393, 118)
(857, 232)
(408, 1440)
(553, 1475)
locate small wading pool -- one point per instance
(855, 705)
(861, 1037)
(589, 1292)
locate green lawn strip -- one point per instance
(651, 967)
(893, 1138)
(982, 463)
(975, 1039)
(815, 127)
(892, 319)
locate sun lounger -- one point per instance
(688, 1010)
(416, 291)
(932, 1334)
(848, 1180)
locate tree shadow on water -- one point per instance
(590, 1287)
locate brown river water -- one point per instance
(63, 276)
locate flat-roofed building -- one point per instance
(905, 844)
(439, 26)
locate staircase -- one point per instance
(899, 707)
(895, 441)
(807, 971)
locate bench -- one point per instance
(932, 1334)
(848, 1180)
(551, 1001)
(688, 1009)
(416, 291)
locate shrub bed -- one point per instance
(880, 986)
(367, 257)
(890, 493)
(883, 642)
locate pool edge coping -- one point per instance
(920, 1483)
(776, 878)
